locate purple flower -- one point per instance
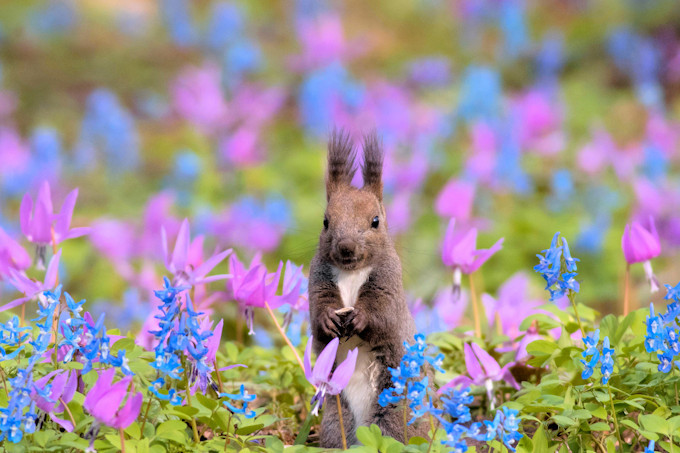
(104, 400)
(641, 245)
(12, 255)
(41, 226)
(197, 96)
(511, 306)
(179, 265)
(242, 148)
(51, 396)
(253, 287)
(455, 200)
(459, 251)
(320, 376)
(37, 224)
(484, 370)
(30, 287)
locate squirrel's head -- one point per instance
(354, 225)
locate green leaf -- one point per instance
(249, 429)
(170, 426)
(368, 437)
(134, 431)
(564, 421)
(417, 440)
(274, 444)
(654, 423)
(304, 430)
(206, 401)
(544, 321)
(599, 426)
(541, 347)
(630, 424)
(539, 441)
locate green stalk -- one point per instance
(573, 304)
(405, 424)
(434, 434)
(616, 422)
(193, 421)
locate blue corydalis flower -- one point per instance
(243, 397)
(604, 357)
(557, 258)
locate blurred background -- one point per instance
(520, 118)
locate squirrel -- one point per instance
(356, 292)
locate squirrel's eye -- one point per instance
(376, 222)
(325, 223)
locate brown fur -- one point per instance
(380, 317)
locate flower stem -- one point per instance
(283, 334)
(626, 291)
(434, 434)
(226, 441)
(219, 377)
(475, 308)
(4, 382)
(68, 411)
(342, 424)
(193, 421)
(146, 414)
(616, 422)
(578, 318)
(122, 440)
(405, 423)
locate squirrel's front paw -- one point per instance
(358, 321)
(330, 322)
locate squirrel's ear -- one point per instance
(373, 164)
(341, 156)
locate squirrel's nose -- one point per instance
(347, 249)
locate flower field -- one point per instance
(162, 195)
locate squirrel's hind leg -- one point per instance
(331, 436)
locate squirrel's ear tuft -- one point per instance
(341, 156)
(373, 164)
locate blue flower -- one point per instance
(607, 361)
(673, 292)
(550, 267)
(650, 447)
(605, 357)
(244, 397)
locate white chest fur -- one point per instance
(349, 283)
(361, 390)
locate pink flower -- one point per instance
(322, 378)
(483, 370)
(61, 390)
(455, 200)
(511, 306)
(179, 264)
(641, 245)
(595, 155)
(104, 400)
(37, 224)
(197, 96)
(241, 148)
(459, 250)
(30, 287)
(255, 287)
(12, 255)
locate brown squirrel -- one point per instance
(356, 265)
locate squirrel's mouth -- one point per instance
(350, 263)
